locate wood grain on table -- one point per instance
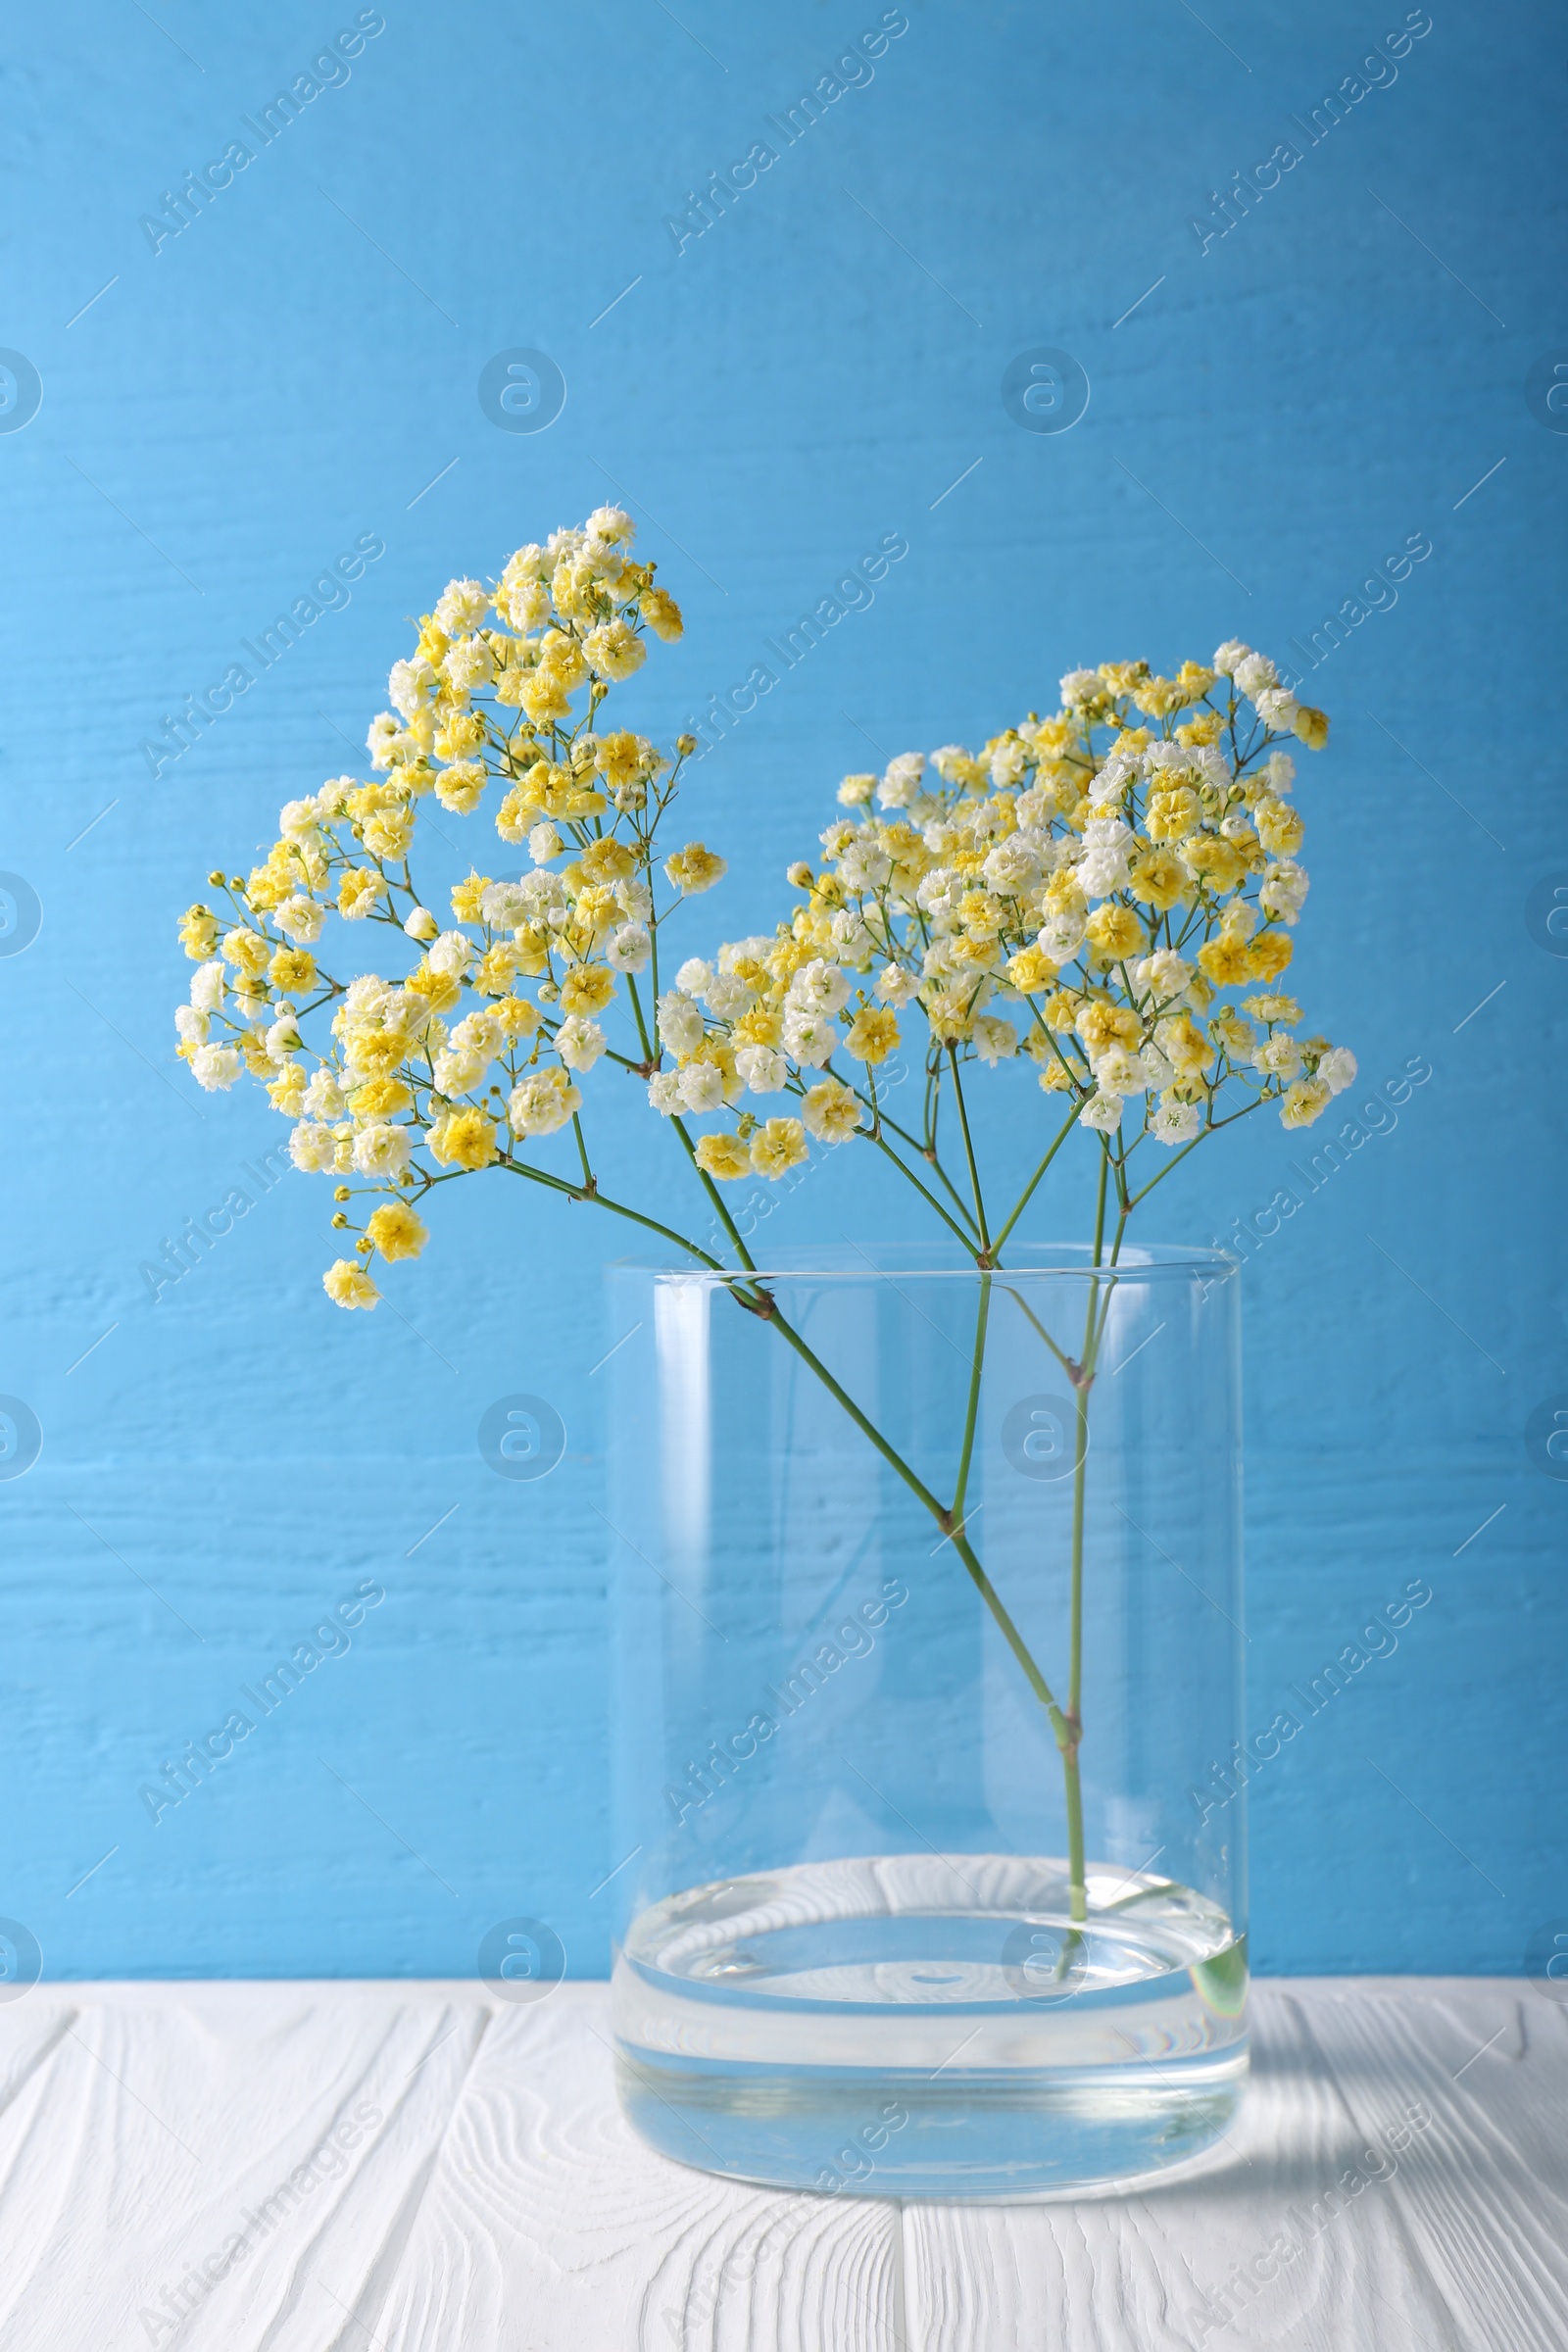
(298, 2167)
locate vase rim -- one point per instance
(922, 1261)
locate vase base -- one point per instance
(990, 2136)
(933, 2026)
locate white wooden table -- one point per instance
(165, 2145)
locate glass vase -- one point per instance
(930, 1645)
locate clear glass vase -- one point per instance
(930, 1645)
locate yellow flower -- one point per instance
(1115, 930)
(463, 1139)
(287, 1090)
(695, 868)
(1312, 726)
(1101, 1025)
(496, 970)
(776, 1145)
(1159, 879)
(1274, 1006)
(1304, 1101)
(1031, 969)
(519, 1019)
(248, 951)
(1280, 828)
(662, 613)
(544, 697)
(389, 833)
(724, 1157)
(1055, 1075)
(608, 861)
(441, 991)
(587, 987)
(379, 1099)
(615, 649)
(348, 1285)
(1268, 956)
(396, 1231)
(1215, 861)
(358, 891)
(1227, 960)
(832, 1112)
(872, 1034)
(198, 933)
(1172, 813)
(293, 971)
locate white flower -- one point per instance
(1279, 1057)
(693, 977)
(729, 996)
(544, 842)
(283, 1038)
(1230, 654)
(1007, 764)
(1175, 1122)
(1060, 937)
(1157, 1072)
(1012, 867)
(409, 685)
(420, 923)
(1277, 707)
(812, 1040)
(614, 525)
(313, 1148)
(542, 1102)
(895, 984)
(1080, 686)
(680, 1022)
(636, 900)
(664, 1093)
(1164, 975)
(949, 760)
(467, 664)
(323, 1097)
(296, 819)
(380, 1150)
(1103, 867)
(995, 1040)
(1279, 769)
(215, 1067)
(1118, 1072)
(192, 1025)
(1103, 1112)
(207, 985)
(1284, 891)
(300, 920)
(629, 949)
(462, 605)
(459, 1072)
(818, 988)
(901, 783)
(763, 1069)
(383, 733)
(504, 905)
(1337, 1069)
(579, 1042)
(702, 1086)
(451, 954)
(1252, 672)
(864, 866)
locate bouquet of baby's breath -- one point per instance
(1104, 897)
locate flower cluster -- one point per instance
(1108, 892)
(473, 1046)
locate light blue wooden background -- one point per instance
(1283, 407)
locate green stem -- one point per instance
(968, 1152)
(1027, 1194)
(982, 1318)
